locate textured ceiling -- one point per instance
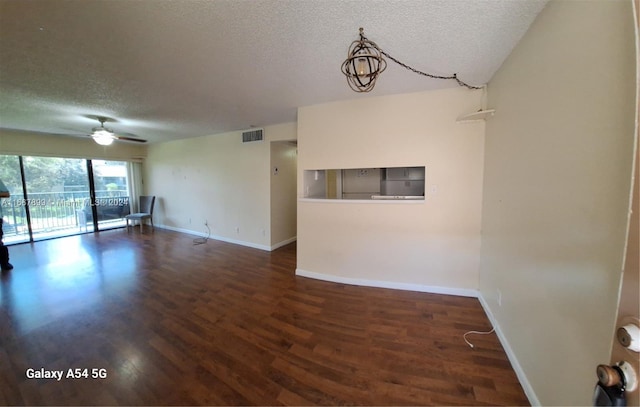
(168, 69)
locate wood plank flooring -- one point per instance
(173, 323)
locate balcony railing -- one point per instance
(54, 213)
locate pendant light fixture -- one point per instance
(365, 63)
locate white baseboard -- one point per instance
(463, 292)
(283, 243)
(216, 237)
(522, 377)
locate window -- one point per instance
(53, 196)
(111, 193)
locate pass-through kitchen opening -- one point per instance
(382, 183)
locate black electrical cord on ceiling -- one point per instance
(454, 76)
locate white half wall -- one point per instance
(556, 194)
(433, 243)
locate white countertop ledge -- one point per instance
(364, 201)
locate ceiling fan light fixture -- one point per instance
(102, 135)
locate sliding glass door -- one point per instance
(111, 193)
(12, 209)
(57, 195)
(53, 197)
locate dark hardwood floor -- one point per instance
(173, 323)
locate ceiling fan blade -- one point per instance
(124, 138)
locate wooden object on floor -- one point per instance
(173, 323)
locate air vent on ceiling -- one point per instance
(252, 135)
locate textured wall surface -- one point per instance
(556, 193)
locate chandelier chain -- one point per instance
(454, 76)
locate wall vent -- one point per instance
(252, 135)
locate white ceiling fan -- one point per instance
(105, 136)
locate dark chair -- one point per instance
(146, 212)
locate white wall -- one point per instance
(556, 194)
(431, 244)
(215, 178)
